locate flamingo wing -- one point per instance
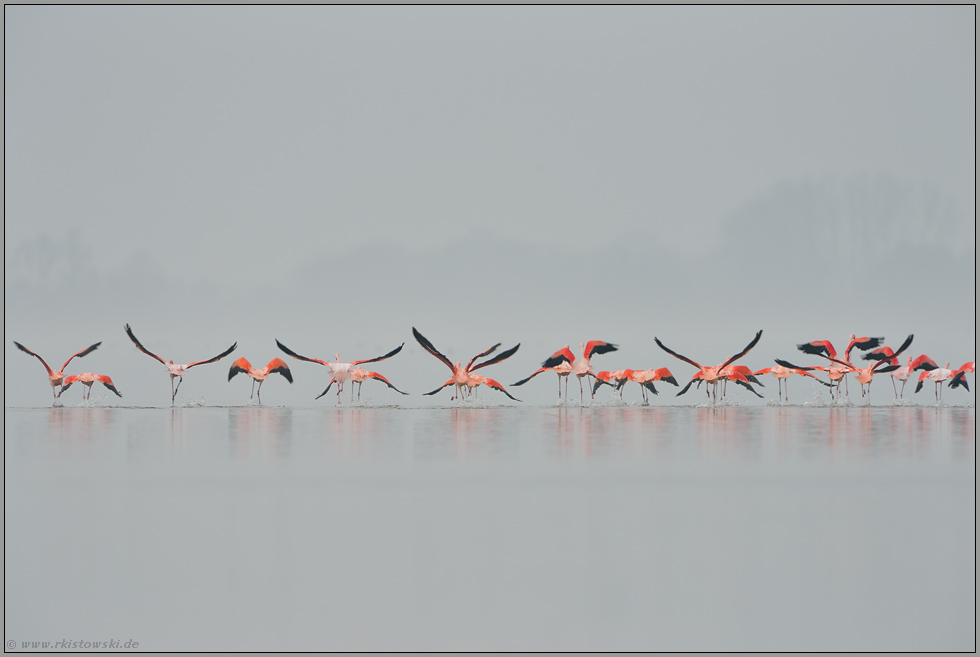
(663, 374)
(239, 366)
(815, 378)
(26, 350)
(747, 349)
(447, 383)
(598, 347)
(84, 352)
(326, 390)
(796, 367)
(959, 379)
(600, 380)
(923, 362)
(67, 383)
(278, 366)
(428, 346)
(379, 358)
(375, 375)
(292, 353)
(697, 377)
(818, 348)
(481, 355)
(504, 355)
(968, 367)
(894, 358)
(881, 353)
(563, 355)
(139, 346)
(677, 355)
(534, 374)
(216, 358)
(107, 382)
(649, 386)
(748, 386)
(863, 344)
(496, 386)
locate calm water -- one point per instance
(531, 528)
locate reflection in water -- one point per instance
(467, 434)
(74, 431)
(677, 527)
(258, 431)
(779, 434)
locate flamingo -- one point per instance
(340, 372)
(461, 375)
(714, 374)
(276, 365)
(941, 374)
(835, 373)
(57, 378)
(564, 359)
(736, 373)
(176, 371)
(782, 373)
(839, 371)
(616, 379)
(903, 373)
(359, 376)
(474, 381)
(885, 361)
(88, 379)
(646, 378)
(959, 376)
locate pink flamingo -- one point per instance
(359, 376)
(885, 360)
(341, 371)
(838, 372)
(87, 379)
(57, 378)
(176, 371)
(959, 376)
(903, 373)
(941, 374)
(564, 357)
(782, 375)
(461, 375)
(275, 366)
(714, 374)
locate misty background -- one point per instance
(333, 176)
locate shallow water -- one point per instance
(261, 528)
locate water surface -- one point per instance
(251, 528)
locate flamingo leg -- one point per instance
(179, 381)
(258, 393)
(252, 395)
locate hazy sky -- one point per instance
(227, 147)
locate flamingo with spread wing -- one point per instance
(275, 366)
(341, 372)
(176, 371)
(461, 375)
(714, 375)
(57, 378)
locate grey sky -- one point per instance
(220, 150)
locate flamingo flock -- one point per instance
(879, 359)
